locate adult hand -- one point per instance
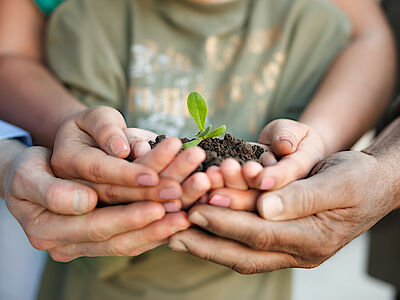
(302, 224)
(90, 147)
(36, 198)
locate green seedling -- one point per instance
(198, 110)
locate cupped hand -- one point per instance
(293, 149)
(60, 216)
(301, 225)
(90, 147)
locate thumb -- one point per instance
(303, 198)
(283, 135)
(32, 180)
(106, 126)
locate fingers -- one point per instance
(234, 199)
(48, 230)
(294, 166)
(251, 170)
(161, 155)
(215, 176)
(283, 135)
(194, 188)
(321, 192)
(184, 164)
(290, 168)
(166, 190)
(32, 180)
(76, 161)
(232, 173)
(132, 243)
(138, 140)
(230, 253)
(106, 126)
(291, 237)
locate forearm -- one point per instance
(9, 150)
(33, 98)
(386, 149)
(359, 84)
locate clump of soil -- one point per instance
(218, 150)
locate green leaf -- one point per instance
(198, 109)
(217, 132)
(191, 143)
(204, 132)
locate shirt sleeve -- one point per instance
(8, 131)
(47, 6)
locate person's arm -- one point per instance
(306, 222)
(9, 150)
(31, 96)
(359, 84)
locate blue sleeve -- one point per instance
(8, 131)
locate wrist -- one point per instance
(386, 150)
(9, 150)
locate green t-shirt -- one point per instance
(253, 60)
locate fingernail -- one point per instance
(118, 145)
(220, 200)
(198, 219)
(285, 138)
(267, 183)
(169, 194)
(178, 246)
(81, 201)
(171, 207)
(146, 180)
(271, 206)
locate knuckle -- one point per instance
(111, 194)
(58, 256)
(40, 244)
(260, 240)
(96, 233)
(305, 198)
(94, 170)
(117, 249)
(52, 198)
(245, 265)
(16, 182)
(57, 162)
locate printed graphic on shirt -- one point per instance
(161, 79)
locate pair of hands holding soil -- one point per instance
(63, 215)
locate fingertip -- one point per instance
(229, 165)
(156, 211)
(270, 206)
(268, 159)
(172, 144)
(172, 206)
(284, 145)
(119, 147)
(180, 221)
(215, 176)
(251, 169)
(140, 148)
(201, 181)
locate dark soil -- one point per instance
(218, 150)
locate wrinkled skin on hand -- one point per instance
(346, 195)
(36, 198)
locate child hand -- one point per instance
(295, 149)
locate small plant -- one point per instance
(198, 110)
